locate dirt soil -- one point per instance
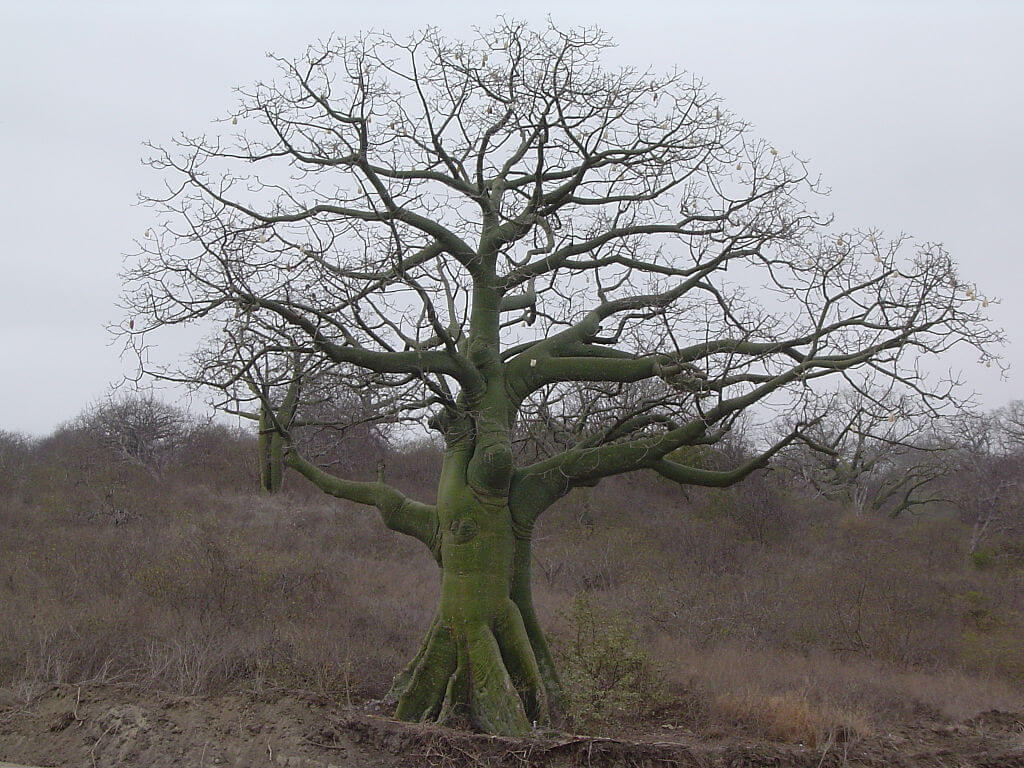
(106, 726)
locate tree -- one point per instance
(482, 228)
(1009, 426)
(315, 408)
(274, 419)
(15, 451)
(985, 482)
(875, 453)
(139, 428)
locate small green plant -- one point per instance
(982, 559)
(605, 672)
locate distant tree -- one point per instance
(480, 227)
(15, 450)
(1008, 424)
(316, 408)
(875, 454)
(986, 480)
(139, 428)
(13, 447)
(275, 417)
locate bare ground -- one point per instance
(107, 726)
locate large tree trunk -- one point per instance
(484, 662)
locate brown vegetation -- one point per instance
(758, 610)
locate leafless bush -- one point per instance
(15, 453)
(139, 428)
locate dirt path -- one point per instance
(108, 727)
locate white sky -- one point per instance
(912, 112)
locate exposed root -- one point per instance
(423, 696)
(521, 663)
(431, 747)
(402, 680)
(480, 674)
(455, 709)
(494, 704)
(523, 598)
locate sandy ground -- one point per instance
(106, 726)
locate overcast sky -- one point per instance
(912, 112)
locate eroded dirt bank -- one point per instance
(105, 726)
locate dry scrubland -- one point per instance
(758, 610)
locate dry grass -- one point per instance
(796, 624)
(229, 587)
(789, 717)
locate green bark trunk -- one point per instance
(270, 448)
(522, 595)
(271, 442)
(484, 662)
(263, 452)
(481, 661)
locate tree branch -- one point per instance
(398, 512)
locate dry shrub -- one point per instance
(761, 508)
(1000, 651)
(593, 559)
(789, 717)
(205, 589)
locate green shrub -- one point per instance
(983, 559)
(605, 672)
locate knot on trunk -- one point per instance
(490, 470)
(464, 529)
